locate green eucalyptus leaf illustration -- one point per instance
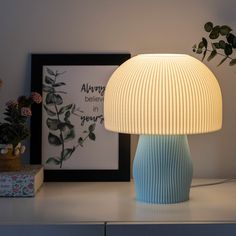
(222, 61)
(92, 127)
(57, 99)
(92, 136)
(49, 80)
(49, 112)
(216, 45)
(68, 134)
(65, 108)
(200, 45)
(49, 99)
(63, 125)
(205, 43)
(67, 116)
(80, 141)
(54, 140)
(53, 99)
(215, 33)
(199, 51)
(230, 38)
(58, 84)
(204, 54)
(222, 44)
(212, 55)
(66, 153)
(50, 72)
(53, 160)
(225, 29)
(53, 123)
(228, 49)
(48, 89)
(208, 26)
(232, 62)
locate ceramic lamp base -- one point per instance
(162, 169)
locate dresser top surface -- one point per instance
(82, 202)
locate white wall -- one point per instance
(136, 26)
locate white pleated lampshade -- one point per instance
(163, 94)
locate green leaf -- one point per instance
(50, 72)
(49, 99)
(67, 116)
(54, 140)
(228, 49)
(73, 108)
(48, 89)
(213, 46)
(62, 126)
(68, 134)
(53, 160)
(92, 136)
(58, 99)
(8, 119)
(49, 80)
(199, 51)
(52, 99)
(58, 84)
(204, 41)
(194, 46)
(234, 42)
(222, 44)
(216, 45)
(230, 38)
(52, 123)
(224, 30)
(232, 62)
(201, 45)
(80, 141)
(65, 108)
(92, 127)
(49, 112)
(208, 26)
(212, 55)
(215, 33)
(204, 54)
(222, 61)
(66, 154)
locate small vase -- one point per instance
(10, 160)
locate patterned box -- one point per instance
(24, 183)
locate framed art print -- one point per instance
(67, 132)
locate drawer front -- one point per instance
(53, 230)
(140, 229)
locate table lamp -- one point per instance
(162, 97)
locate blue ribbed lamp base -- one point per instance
(162, 169)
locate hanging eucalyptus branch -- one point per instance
(221, 42)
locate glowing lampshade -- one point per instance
(163, 97)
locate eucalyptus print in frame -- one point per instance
(61, 129)
(91, 153)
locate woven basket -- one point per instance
(10, 162)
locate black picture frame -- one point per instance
(38, 61)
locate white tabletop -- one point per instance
(71, 203)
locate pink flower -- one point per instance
(11, 103)
(25, 111)
(36, 97)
